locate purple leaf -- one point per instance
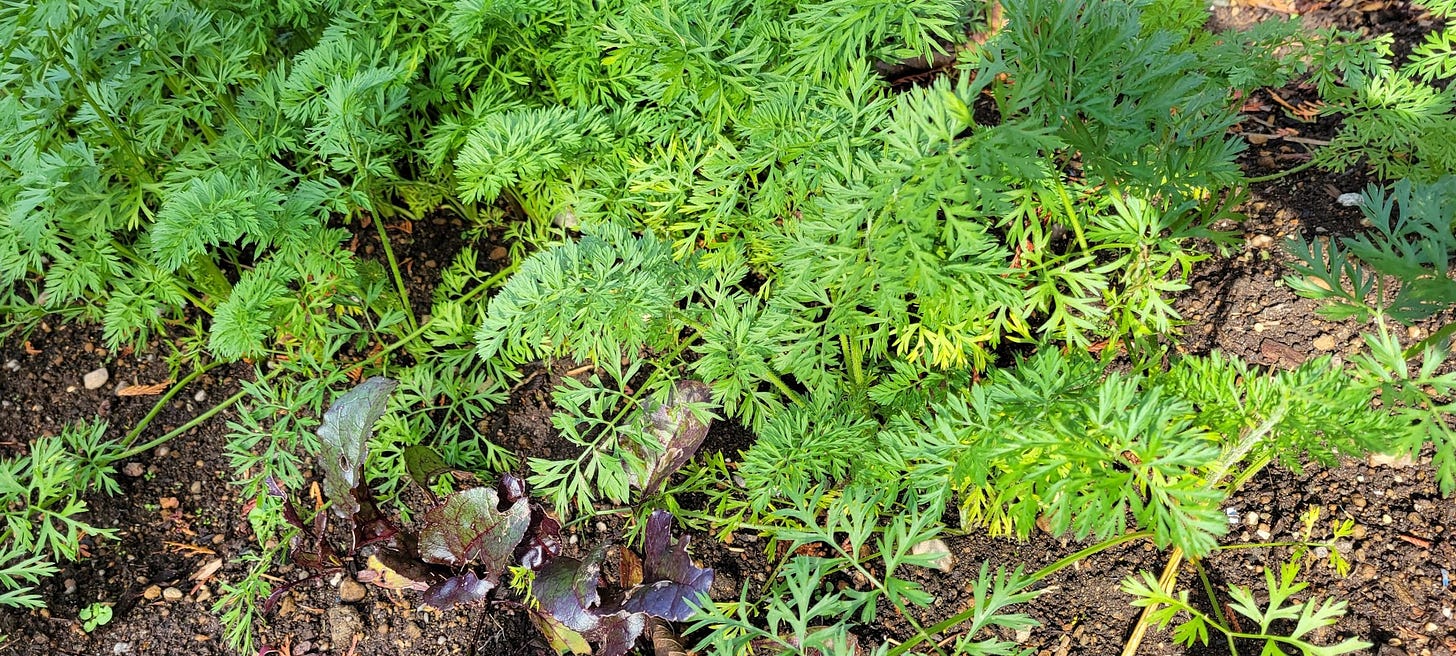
(370, 526)
(462, 589)
(512, 489)
(567, 590)
(308, 548)
(616, 633)
(543, 542)
(671, 582)
(344, 436)
(678, 431)
(469, 526)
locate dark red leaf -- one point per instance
(671, 582)
(543, 540)
(678, 431)
(470, 527)
(567, 590)
(344, 436)
(512, 489)
(616, 633)
(462, 589)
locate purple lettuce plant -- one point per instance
(469, 539)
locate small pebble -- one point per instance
(163, 451)
(70, 586)
(1251, 520)
(95, 379)
(351, 591)
(121, 648)
(171, 594)
(1260, 241)
(1348, 199)
(133, 469)
(152, 593)
(12, 365)
(200, 396)
(943, 560)
(1325, 343)
(195, 488)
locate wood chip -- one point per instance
(206, 571)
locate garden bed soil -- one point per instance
(178, 514)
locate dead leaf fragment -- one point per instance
(144, 390)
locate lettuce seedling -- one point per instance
(468, 540)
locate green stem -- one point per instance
(1438, 336)
(783, 387)
(1169, 577)
(409, 311)
(1275, 176)
(851, 355)
(121, 140)
(209, 278)
(1059, 565)
(1217, 607)
(1072, 216)
(195, 422)
(136, 431)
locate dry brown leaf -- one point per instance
(144, 390)
(630, 569)
(190, 549)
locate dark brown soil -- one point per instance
(180, 512)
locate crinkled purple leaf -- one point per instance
(462, 589)
(616, 633)
(470, 527)
(424, 464)
(543, 540)
(344, 436)
(370, 526)
(512, 489)
(677, 429)
(671, 582)
(567, 590)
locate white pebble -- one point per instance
(200, 396)
(95, 379)
(12, 365)
(1348, 200)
